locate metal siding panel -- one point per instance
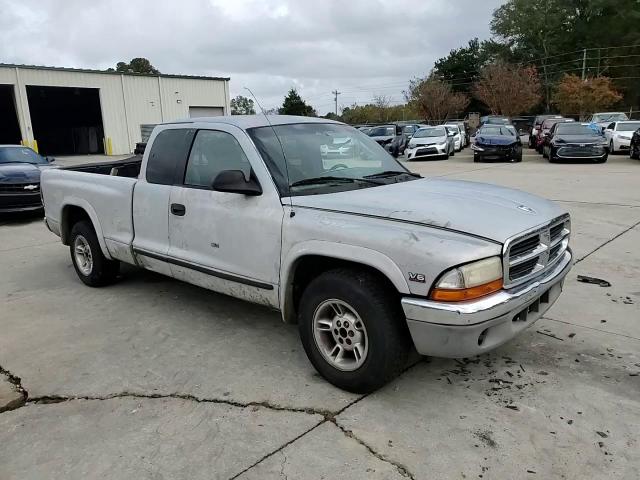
(142, 96)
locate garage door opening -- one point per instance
(66, 120)
(195, 112)
(9, 127)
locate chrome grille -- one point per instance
(530, 254)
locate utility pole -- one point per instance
(336, 93)
(584, 64)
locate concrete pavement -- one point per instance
(153, 378)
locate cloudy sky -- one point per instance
(361, 47)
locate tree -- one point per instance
(576, 96)
(294, 105)
(136, 65)
(242, 106)
(435, 100)
(508, 89)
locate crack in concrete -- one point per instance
(402, 469)
(52, 399)
(607, 242)
(17, 383)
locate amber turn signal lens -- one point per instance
(459, 295)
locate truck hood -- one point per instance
(489, 211)
(21, 172)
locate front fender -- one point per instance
(340, 251)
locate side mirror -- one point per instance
(234, 181)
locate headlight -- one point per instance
(469, 281)
(412, 145)
(477, 148)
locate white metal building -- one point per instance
(66, 111)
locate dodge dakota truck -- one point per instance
(369, 259)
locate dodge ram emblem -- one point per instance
(524, 208)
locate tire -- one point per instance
(544, 153)
(611, 150)
(633, 153)
(453, 152)
(386, 344)
(99, 270)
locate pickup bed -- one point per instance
(369, 259)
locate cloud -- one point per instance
(361, 47)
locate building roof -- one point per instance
(251, 121)
(105, 72)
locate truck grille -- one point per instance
(533, 253)
(33, 187)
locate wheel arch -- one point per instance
(309, 259)
(74, 211)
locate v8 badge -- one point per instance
(416, 277)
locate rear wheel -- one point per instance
(353, 331)
(93, 268)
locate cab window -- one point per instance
(212, 152)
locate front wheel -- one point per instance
(353, 330)
(611, 150)
(93, 268)
(634, 153)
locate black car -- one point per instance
(20, 169)
(575, 141)
(634, 146)
(497, 142)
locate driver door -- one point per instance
(227, 242)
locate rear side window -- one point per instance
(214, 151)
(168, 154)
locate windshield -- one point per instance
(382, 132)
(574, 129)
(628, 127)
(312, 168)
(20, 155)
(497, 131)
(610, 117)
(430, 132)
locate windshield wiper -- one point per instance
(392, 173)
(323, 180)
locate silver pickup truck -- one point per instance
(368, 258)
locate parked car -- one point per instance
(390, 137)
(543, 134)
(537, 122)
(430, 142)
(369, 259)
(410, 129)
(464, 130)
(454, 131)
(497, 142)
(634, 145)
(603, 119)
(20, 169)
(618, 135)
(575, 141)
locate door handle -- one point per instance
(178, 209)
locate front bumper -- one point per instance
(500, 154)
(426, 151)
(621, 143)
(466, 329)
(20, 202)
